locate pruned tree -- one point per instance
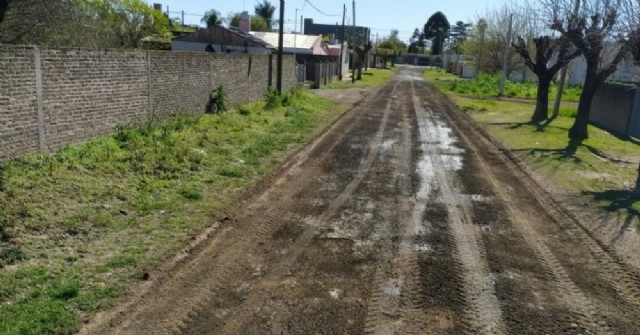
(437, 29)
(598, 30)
(265, 10)
(212, 18)
(541, 64)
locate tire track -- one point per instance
(396, 267)
(284, 264)
(625, 279)
(171, 303)
(588, 315)
(482, 307)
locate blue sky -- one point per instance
(380, 15)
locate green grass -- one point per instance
(602, 170)
(80, 226)
(370, 78)
(485, 86)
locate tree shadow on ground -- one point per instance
(567, 153)
(620, 203)
(539, 127)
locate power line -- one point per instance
(319, 10)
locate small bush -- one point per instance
(65, 290)
(12, 255)
(190, 193)
(273, 99)
(244, 110)
(217, 101)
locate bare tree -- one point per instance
(488, 37)
(541, 64)
(600, 31)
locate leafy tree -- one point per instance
(545, 47)
(257, 23)
(132, 20)
(265, 10)
(35, 22)
(437, 29)
(459, 33)
(597, 32)
(212, 18)
(417, 42)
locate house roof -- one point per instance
(222, 35)
(290, 41)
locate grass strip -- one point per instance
(601, 172)
(80, 226)
(488, 85)
(370, 78)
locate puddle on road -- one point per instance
(423, 247)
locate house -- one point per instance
(293, 43)
(220, 39)
(335, 31)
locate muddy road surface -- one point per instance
(402, 218)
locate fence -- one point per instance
(50, 98)
(616, 108)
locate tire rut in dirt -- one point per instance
(578, 269)
(529, 304)
(442, 158)
(312, 273)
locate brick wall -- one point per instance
(88, 93)
(18, 110)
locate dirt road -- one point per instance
(400, 219)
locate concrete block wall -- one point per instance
(51, 98)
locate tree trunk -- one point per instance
(541, 112)
(579, 131)
(636, 190)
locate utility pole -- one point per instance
(354, 13)
(563, 76)
(483, 27)
(280, 47)
(342, 40)
(355, 54)
(507, 49)
(183, 18)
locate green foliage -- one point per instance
(487, 85)
(371, 78)
(12, 255)
(272, 98)
(437, 29)
(265, 11)
(65, 290)
(217, 101)
(190, 193)
(258, 23)
(136, 190)
(212, 18)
